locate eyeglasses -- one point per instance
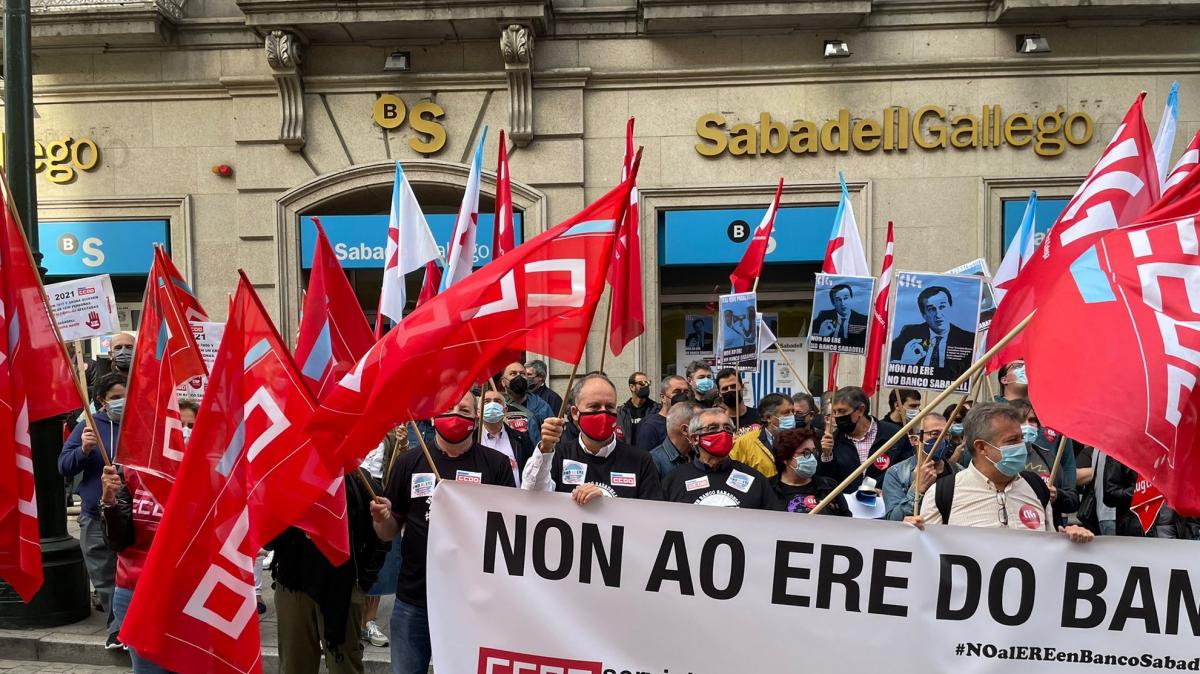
(641, 383)
(1003, 503)
(714, 428)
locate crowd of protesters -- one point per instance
(688, 439)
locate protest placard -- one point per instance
(841, 313)
(84, 308)
(933, 330)
(208, 339)
(737, 331)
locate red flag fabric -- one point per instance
(1186, 164)
(166, 355)
(1139, 289)
(433, 280)
(879, 319)
(1147, 502)
(626, 305)
(503, 238)
(1119, 189)
(29, 349)
(334, 334)
(750, 268)
(249, 472)
(543, 293)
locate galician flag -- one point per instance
(845, 255)
(1020, 251)
(1164, 140)
(461, 257)
(410, 245)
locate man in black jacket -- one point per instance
(853, 436)
(319, 605)
(631, 414)
(711, 478)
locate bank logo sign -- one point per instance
(360, 241)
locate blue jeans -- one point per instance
(121, 599)
(411, 650)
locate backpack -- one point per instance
(944, 496)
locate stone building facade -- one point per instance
(225, 123)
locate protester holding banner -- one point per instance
(995, 491)
(757, 447)
(733, 401)
(81, 456)
(906, 479)
(797, 487)
(413, 480)
(536, 372)
(633, 411)
(712, 478)
(320, 606)
(598, 463)
(853, 437)
(500, 437)
(653, 429)
(675, 450)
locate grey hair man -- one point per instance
(712, 477)
(675, 450)
(536, 372)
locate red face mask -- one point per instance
(454, 428)
(718, 443)
(598, 426)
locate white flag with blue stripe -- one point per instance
(1164, 141)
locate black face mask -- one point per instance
(519, 386)
(845, 423)
(730, 398)
(642, 392)
(681, 397)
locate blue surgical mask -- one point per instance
(1019, 375)
(116, 408)
(787, 423)
(1012, 459)
(805, 466)
(493, 412)
(705, 385)
(956, 430)
(909, 415)
(940, 452)
(1030, 432)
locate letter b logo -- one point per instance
(389, 111)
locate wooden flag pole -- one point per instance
(607, 325)
(1062, 445)
(366, 483)
(425, 449)
(395, 453)
(81, 386)
(562, 410)
(788, 361)
(922, 457)
(932, 405)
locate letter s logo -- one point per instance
(93, 255)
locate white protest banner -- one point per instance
(208, 338)
(84, 308)
(533, 583)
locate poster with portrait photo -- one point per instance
(737, 331)
(987, 303)
(698, 334)
(841, 315)
(934, 326)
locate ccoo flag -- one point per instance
(503, 238)
(626, 305)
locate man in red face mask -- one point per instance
(458, 457)
(599, 463)
(712, 478)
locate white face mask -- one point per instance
(187, 433)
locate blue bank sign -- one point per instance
(720, 236)
(88, 248)
(1046, 213)
(360, 241)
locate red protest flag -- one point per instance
(1139, 288)
(249, 472)
(879, 319)
(503, 238)
(746, 275)
(166, 355)
(433, 280)
(539, 297)
(334, 334)
(626, 307)
(35, 382)
(1147, 502)
(1118, 190)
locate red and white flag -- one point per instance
(627, 307)
(1119, 189)
(410, 244)
(1147, 502)
(1138, 288)
(460, 257)
(166, 355)
(334, 334)
(36, 382)
(250, 471)
(844, 255)
(879, 319)
(749, 269)
(433, 280)
(503, 238)
(539, 297)
(1186, 164)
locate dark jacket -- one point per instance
(521, 445)
(1068, 495)
(300, 566)
(549, 397)
(1119, 483)
(72, 461)
(845, 456)
(626, 419)
(960, 349)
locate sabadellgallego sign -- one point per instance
(532, 583)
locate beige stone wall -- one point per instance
(164, 117)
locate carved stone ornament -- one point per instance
(516, 45)
(284, 57)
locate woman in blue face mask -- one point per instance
(797, 486)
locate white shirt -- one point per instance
(373, 462)
(500, 443)
(537, 468)
(977, 503)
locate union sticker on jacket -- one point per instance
(623, 479)
(696, 483)
(739, 481)
(422, 485)
(573, 472)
